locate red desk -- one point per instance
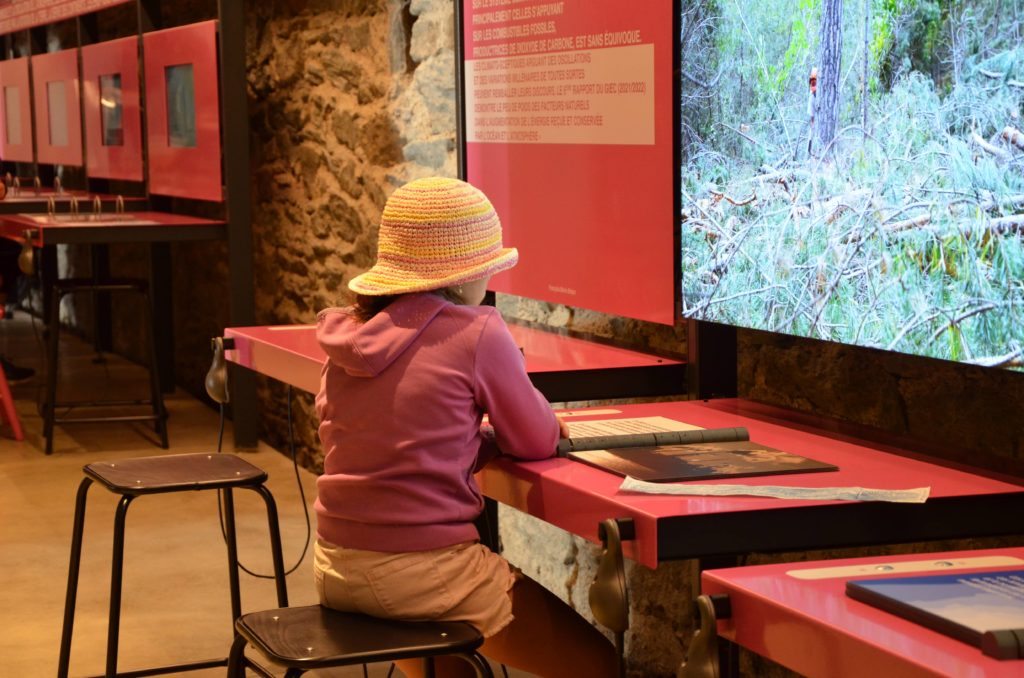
(157, 229)
(813, 628)
(576, 497)
(564, 368)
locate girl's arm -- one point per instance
(524, 425)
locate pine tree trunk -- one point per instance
(829, 73)
(865, 90)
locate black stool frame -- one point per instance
(117, 564)
(67, 286)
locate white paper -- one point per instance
(616, 427)
(916, 495)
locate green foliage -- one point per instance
(830, 248)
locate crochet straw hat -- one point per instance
(434, 233)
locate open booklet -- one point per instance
(657, 449)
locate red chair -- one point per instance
(7, 411)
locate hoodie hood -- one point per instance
(367, 349)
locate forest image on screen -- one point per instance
(854, 172)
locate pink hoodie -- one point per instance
(400, 404)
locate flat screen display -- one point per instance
(854, 172)
(111, 110)
(181, 106)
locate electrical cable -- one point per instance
(298, 480)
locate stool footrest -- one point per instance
(99, 420)
(72, 285)
(176, 668)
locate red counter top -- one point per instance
(136, 226)
(289, 353)
(813, 628)
(576, 497)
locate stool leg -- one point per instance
(116, 571)
(236, 659)
(428, 667)
(229, 523)
(71, 597)
(479, 664)
(50, 406)
(275, 545)
(156, 394)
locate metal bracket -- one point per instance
(702, 655)
(217, 376)
(609, 598)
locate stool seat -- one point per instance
(175, 473)
(318, 637)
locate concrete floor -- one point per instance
(175, 600)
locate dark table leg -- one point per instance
(103, 337)
(161, 282)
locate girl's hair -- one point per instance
(365, 307)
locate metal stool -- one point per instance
(73, 286)
(315, 637)
(131, 478)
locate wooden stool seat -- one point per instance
(175, 473)
(315, 637)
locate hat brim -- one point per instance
(382, 280)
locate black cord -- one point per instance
(298, 480)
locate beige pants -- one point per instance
(465, 582)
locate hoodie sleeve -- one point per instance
(524, 425)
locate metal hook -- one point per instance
(51, 206)
(702, 654)
(37, 183)
(119, 205)
(97, 205)
(74, 204)
(608, 596)
(57, 186)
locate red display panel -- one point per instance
(110, 95)
(568, 130)
(58, 108)
(15, 112)
(183, 112)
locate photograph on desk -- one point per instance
(985, 609)
(699, 461)
(658, 449)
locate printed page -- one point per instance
(616, 427)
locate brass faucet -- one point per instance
(51, 207)
(97, 205)
(37, 183)
(119, 205)
(74, 204)
(17, 185)
(57, 187)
